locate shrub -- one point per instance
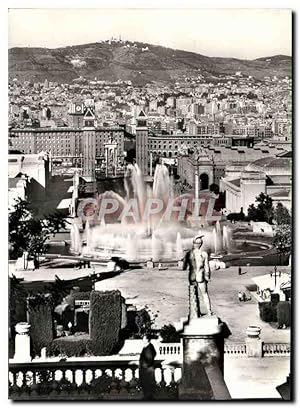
(105, 321)
(70, 346)
(268, 311)
(40, 309)
(236, 216)
(169, 334)
(283, 314)
(102, 384)
(17, 303)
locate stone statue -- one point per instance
(199, 274)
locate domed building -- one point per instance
(270, 175)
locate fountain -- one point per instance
(218, 244)
(152, 238)
(227, 237)
(88, 233)
(76, 245)
(179, 248)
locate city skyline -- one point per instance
(186, 29)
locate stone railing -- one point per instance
(87, 380)
(264, 349)
(276, 349)
(169, 349)
(237, 349)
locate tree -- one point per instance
(263, 211)
(30, 233)
(282, 239)
(282, 215)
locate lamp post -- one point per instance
(276, 274)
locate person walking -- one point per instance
(146, 369)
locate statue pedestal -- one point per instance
(22, 343)
(203, 358)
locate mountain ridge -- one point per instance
(139, 62)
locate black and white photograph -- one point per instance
(150, 204)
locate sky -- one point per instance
(239, 33)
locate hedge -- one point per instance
(105, 321)
(70, 346)
(284, 313)
(41, 321)
(268, 311)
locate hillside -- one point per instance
(141, 63)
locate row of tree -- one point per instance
(264, 211)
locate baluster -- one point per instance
(24, 383)
(84, 386)
(54, 384)
(133, 382)
(113, 385)
(34, 387)
(14, 388)
(172, 382)
(93, 371)
(65, 386)
(73, 385)
(123, 383)
(162, 382)
(24, 387)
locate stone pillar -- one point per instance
(22, 343)
(115, 155)
(203, 358)
(106, 161)
(151, 163)
(253, 342)
(197, 190)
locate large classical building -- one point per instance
(270, 175)
(64, 143)
(214, 162)
(28, 177)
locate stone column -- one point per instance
(197, 190)
(253, 342)
(22, 343)
(151, 163)
(106, 161)
(203, 357)
(115, 159)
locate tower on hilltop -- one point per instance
(142, 153)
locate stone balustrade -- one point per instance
(169, 349)
(238, 349)
(276, 349)
(267, 349)
(89, 380)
